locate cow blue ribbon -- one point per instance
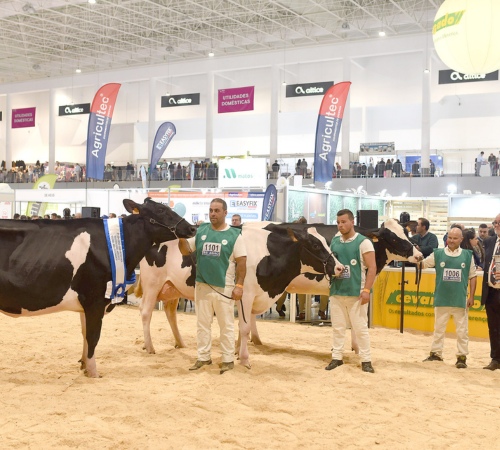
(113, 229)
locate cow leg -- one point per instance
(147, 305)
(93, 322)
(354, 342)
(244, 332)
(170, 308)
(83, 359)
(254, 333)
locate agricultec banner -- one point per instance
(330, 117)
(387, 303)
(101, 113)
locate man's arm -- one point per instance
(371, 273)
(472, 290)
(241, 271)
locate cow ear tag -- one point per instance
(135, 211)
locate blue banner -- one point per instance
(269, 202)
(330, 117)
(164, 135)
(101, 113)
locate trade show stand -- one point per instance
(418, 311)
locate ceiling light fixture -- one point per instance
(92, 2)
(345, 26)
(381, 33)
(427, 71)
(78, 70)
(28, 8)
(211, 54)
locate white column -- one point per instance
(8, 133)
(209, 150)
(152, 116)
(52, 131)
(275, 93)
(346, 121)
(426, 113)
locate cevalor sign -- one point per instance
(242, 173)
(180, 100)
(307, 89)
(73, 110)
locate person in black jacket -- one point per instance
(491, 294)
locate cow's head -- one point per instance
(392, 237)
(161, 222)
(315, 255)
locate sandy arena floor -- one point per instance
(286, 401)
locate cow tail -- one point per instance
(136, 289)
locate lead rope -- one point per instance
(215, 290)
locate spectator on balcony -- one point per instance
(396, 168)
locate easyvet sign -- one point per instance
(169, 101)
(308, 89)
(242, 173)
(452, 76)
(73, 110)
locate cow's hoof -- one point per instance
(246, 363)
(89, 375)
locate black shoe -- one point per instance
(493, 365)
(301, 316)
(334, 363)
(322, 315)
(433, 357)
(367, 367)
(225, 366)
(199, 364)
(461, 362)
(281, 311)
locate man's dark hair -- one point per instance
(346, 211)
(425, 223)
(221, 201)
(483, 225)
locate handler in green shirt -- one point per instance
(455, 269)
(220, 272)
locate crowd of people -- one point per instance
(76, 172)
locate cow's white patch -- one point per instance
(396, 228)
(68, 303)
(79, 250)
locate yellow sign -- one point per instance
(419, 313)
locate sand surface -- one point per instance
(286, 401)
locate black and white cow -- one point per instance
(273, 260)
(48, 266)
(167, 275)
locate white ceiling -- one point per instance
(53, 38)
